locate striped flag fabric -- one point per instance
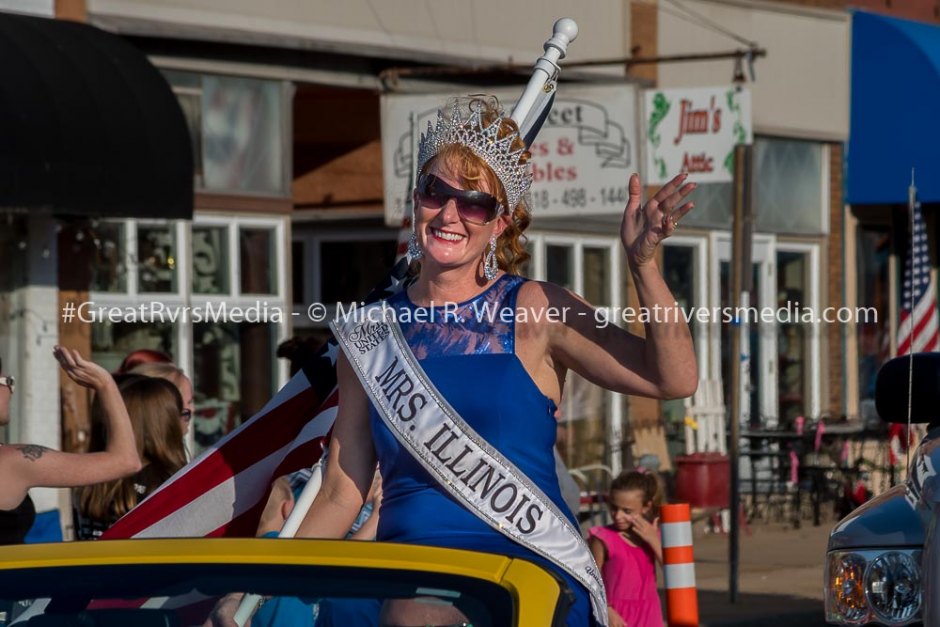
(224, 490)
(918, 328)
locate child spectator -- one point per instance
(626, 549)
(154, 406)
(173, 374)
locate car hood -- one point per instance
(899, 516)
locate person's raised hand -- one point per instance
(646, 530)
(644, 227)
(80, 370)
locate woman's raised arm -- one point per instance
(25, 466)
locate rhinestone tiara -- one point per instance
(484, 142)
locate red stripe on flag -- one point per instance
(246, 524)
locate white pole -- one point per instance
(564, 32)
(250, 601)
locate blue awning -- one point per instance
(895, 116)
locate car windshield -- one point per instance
(184, 594)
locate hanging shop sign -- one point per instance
(581, 159)
(695, 131)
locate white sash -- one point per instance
(464, 464)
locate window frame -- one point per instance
(184, 296)
(312, 285)
(813, 406)
(538, 271)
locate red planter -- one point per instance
(703, 480)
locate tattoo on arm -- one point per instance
(32, 452)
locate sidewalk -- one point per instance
(780, 575)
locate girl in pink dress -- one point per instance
(626, 549)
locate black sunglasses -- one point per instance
(472, 206)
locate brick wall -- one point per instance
(643, 37)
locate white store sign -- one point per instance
(42, 8)
(581, 159)
(695, 131)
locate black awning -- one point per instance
(87, 125)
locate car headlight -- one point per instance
(880, 585)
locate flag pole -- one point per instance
(249, 602)
(911, 206)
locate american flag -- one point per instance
(920, 290)
(223, 492)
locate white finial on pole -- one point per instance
(564, 32)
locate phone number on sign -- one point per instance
(579, 198)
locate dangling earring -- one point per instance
(489, 262)
(414, 249)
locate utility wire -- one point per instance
(437, 32)
(378, 20)
(706, 22)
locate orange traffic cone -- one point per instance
(679, 566)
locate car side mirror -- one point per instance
(891, 389)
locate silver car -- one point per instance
(883, 558)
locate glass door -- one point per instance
(590, 418)
(759, 402)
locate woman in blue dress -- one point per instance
(497, 346)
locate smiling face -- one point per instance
(625, 504)
(448, 240)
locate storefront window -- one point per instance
(112, 341)
(583, 421)
(789, 186)
(156, 258)
(188, 90)
(560, 265)
(874, 339)
(258, 270)
(298, 272)
(232, 364)
(754, 333)
(792, 337)
(109, 273)
(242, 131)
(789, 194)
(237, 130)
(350, 269)
(231, 384)
(590, 434)
(526, 269)
(713, 206)
(337, 266)
(210, 260)
(597, 276)
(679, 267)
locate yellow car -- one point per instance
(139, 583)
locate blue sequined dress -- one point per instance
(468, 352)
